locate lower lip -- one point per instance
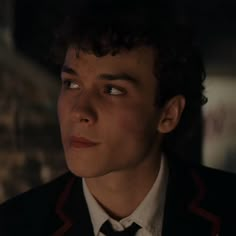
(76, 144)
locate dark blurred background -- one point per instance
(30, 148)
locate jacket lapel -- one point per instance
(72, 210)
(184, 210)
(185, 214)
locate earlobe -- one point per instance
(171, 114)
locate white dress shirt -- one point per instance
(148, 215)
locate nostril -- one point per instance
(84, 120)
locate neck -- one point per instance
(120, 193)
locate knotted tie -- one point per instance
(108, 230)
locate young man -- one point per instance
(131, 87)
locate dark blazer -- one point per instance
(200, 202)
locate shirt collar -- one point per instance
(149, 214)
(97, 214)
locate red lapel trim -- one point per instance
(59, 209)
(194, 206)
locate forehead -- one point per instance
(139, 61)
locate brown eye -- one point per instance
(70, 84)
(112, 90)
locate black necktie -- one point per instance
(108, 230)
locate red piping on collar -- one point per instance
(59, 209)
(194, 206)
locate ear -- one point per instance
(171, 114)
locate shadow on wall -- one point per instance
(30, 147)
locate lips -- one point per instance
(81, 142)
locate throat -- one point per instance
(119, 196)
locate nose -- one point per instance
(83, 110)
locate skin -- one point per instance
(120, 115)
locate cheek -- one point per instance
(62, 106)
(136, 123)
(59, 110)
(61, 113)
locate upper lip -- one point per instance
(81, 140)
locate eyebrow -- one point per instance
(68, 70)
(105, 76)
(120, 76)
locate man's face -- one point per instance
(107, 111)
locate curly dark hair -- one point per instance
(105, 27)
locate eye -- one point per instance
(70, 84)
(113, 91)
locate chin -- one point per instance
(85, 169)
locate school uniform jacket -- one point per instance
(200, 202)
